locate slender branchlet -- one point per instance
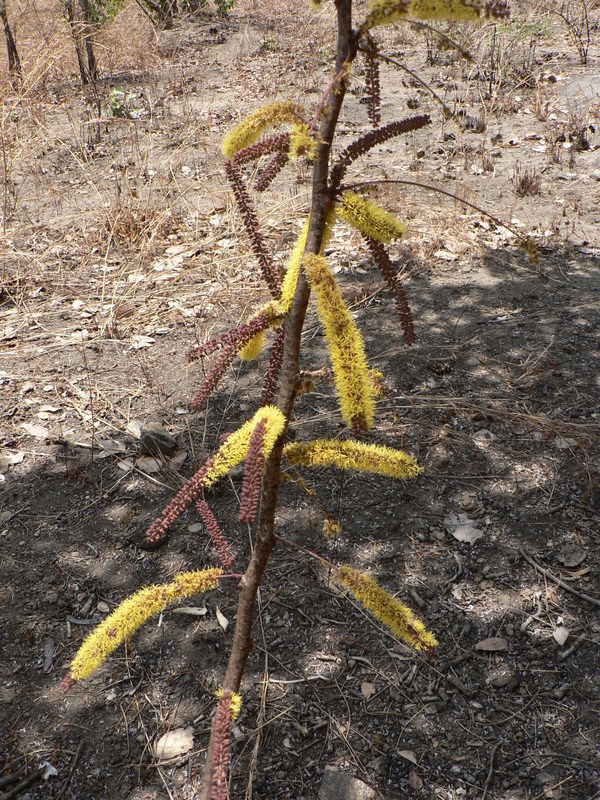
(250, 217)
(352, 455)
(345, 346)
(397, 617)
(255, 461)
(372, 84)
(375, 137)
(384, 265)
(214, 531)
(122, 623)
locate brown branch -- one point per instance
(265, 538)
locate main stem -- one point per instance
(265, 538)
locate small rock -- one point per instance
(155, 439)
(338, 785)
(51, 598)
(571, 555)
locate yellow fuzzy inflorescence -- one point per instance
(385, 12)
(251, 128)
(369, 218)
(302, 142)
(132, 613)
(344, 342)
(397, 617)
(350, 454)
(235, 699)
(233, 450)
(251, 349)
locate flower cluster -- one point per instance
(231, 342)
(365, 143)
(132, 613)
(251, 128)
(255, 461)
(369, 218)
(274, 368)
(397, 617)
(345, 345)
(184, 497)
(279, 142)
(331, 527)
(216, 534)
(227, 711)
(384, 265)
(373, 87)
(353, 455)
(302, 141)
(232, 452)
(248, 212)
(385, 12)
(234, 448)
(252, 348)
(272, 170)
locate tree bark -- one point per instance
(265, 539)
(77, 14)
(14, 62)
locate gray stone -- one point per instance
(155, 439)
(338, 785)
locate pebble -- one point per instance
(155, 439)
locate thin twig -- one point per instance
(74, 763)
(33, 777)
(588, 598)
(428, 187)
(490, 774)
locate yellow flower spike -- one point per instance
(397, 617)
(344, 342)
(251, 128)
(385, 12)
(353, 455)
(302, 143)
(234, 448)
(136, 609)
(369, 218)
(290, 279)
(236, 701)
(251, 349)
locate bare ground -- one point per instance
(120, 250)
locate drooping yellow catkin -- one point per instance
(136, 609)
(385, 12)
(345, 345)
(251, 349)
(352, 455)
(248, 130)
(233, 450)
(234, 698)
(369, 218)
(290, 279)
(397, 617)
